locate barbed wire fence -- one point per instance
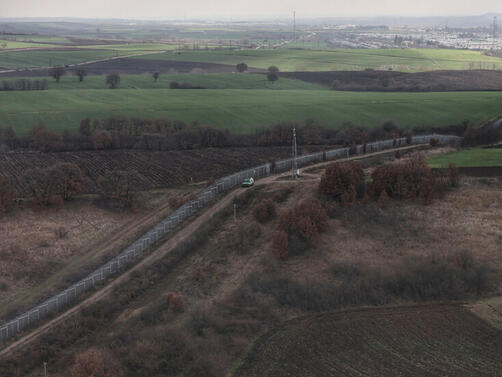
(131, 253)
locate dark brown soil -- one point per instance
(154, 169)
(138, 66)
(426, 340)
(371, 80)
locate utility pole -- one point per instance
(294, 153)
(294, 26)
(45, 368)
(494, 33)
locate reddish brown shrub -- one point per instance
(340, 181)
(175, 202)
(434, 142)
(305, 220)
(7, 195)
(280, 244)
(410, 179)
(397, 155)
(176, 302)
(408, 137)
(95, 363)
(264, 211)
(452, 174)
(101, 139)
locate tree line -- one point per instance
(163, 134)
(24, 84)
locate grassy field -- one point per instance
(44, 58)
(242, 110)
(15, 44)
(409, 60)
(469, 158)
(210, 81)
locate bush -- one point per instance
(433, 142)
(453, 175)
(264, 211)
(7, 195)
(417, 280)
(175, 302)
(280, 244)
(406, 180)
(340, 182)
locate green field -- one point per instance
(242, 110)
(408, 60)
(210, 81)
(44, 58)
(15, 44)
(469, 158)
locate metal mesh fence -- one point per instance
(131, 253)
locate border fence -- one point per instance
(132, 252)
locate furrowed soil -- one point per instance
(154, 169)
(137, 66)
(429, 340)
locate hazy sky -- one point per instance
(180, 9)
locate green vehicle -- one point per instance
(248, 182)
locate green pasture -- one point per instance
(242, 111)
(44, 58)
(408, 60)
(469, 158)
(146, 81)
(16, 44)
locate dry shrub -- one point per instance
(175, 202)
(95, 363)
(408, 137)
(61, 232)
(244, 237)
(406, 180)
(434, 142)
(299, 228)
(397, 155)
(7, 195)
(340, 182)
(280, 244)
(175, 301)
(452, 174)
(281, 195)
(264, 211)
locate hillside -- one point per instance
(198, 311)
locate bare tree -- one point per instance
(113, 80)
(81, 73)
(56, 73)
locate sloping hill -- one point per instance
(426, 340)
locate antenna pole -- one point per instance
(494, 33)
(294, 26)
(295, 154)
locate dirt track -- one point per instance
(182, 235)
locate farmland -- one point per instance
(209, 81)
(406, 341)
(476, 157)
(410, 60)
(243, 111)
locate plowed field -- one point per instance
(430, 340)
